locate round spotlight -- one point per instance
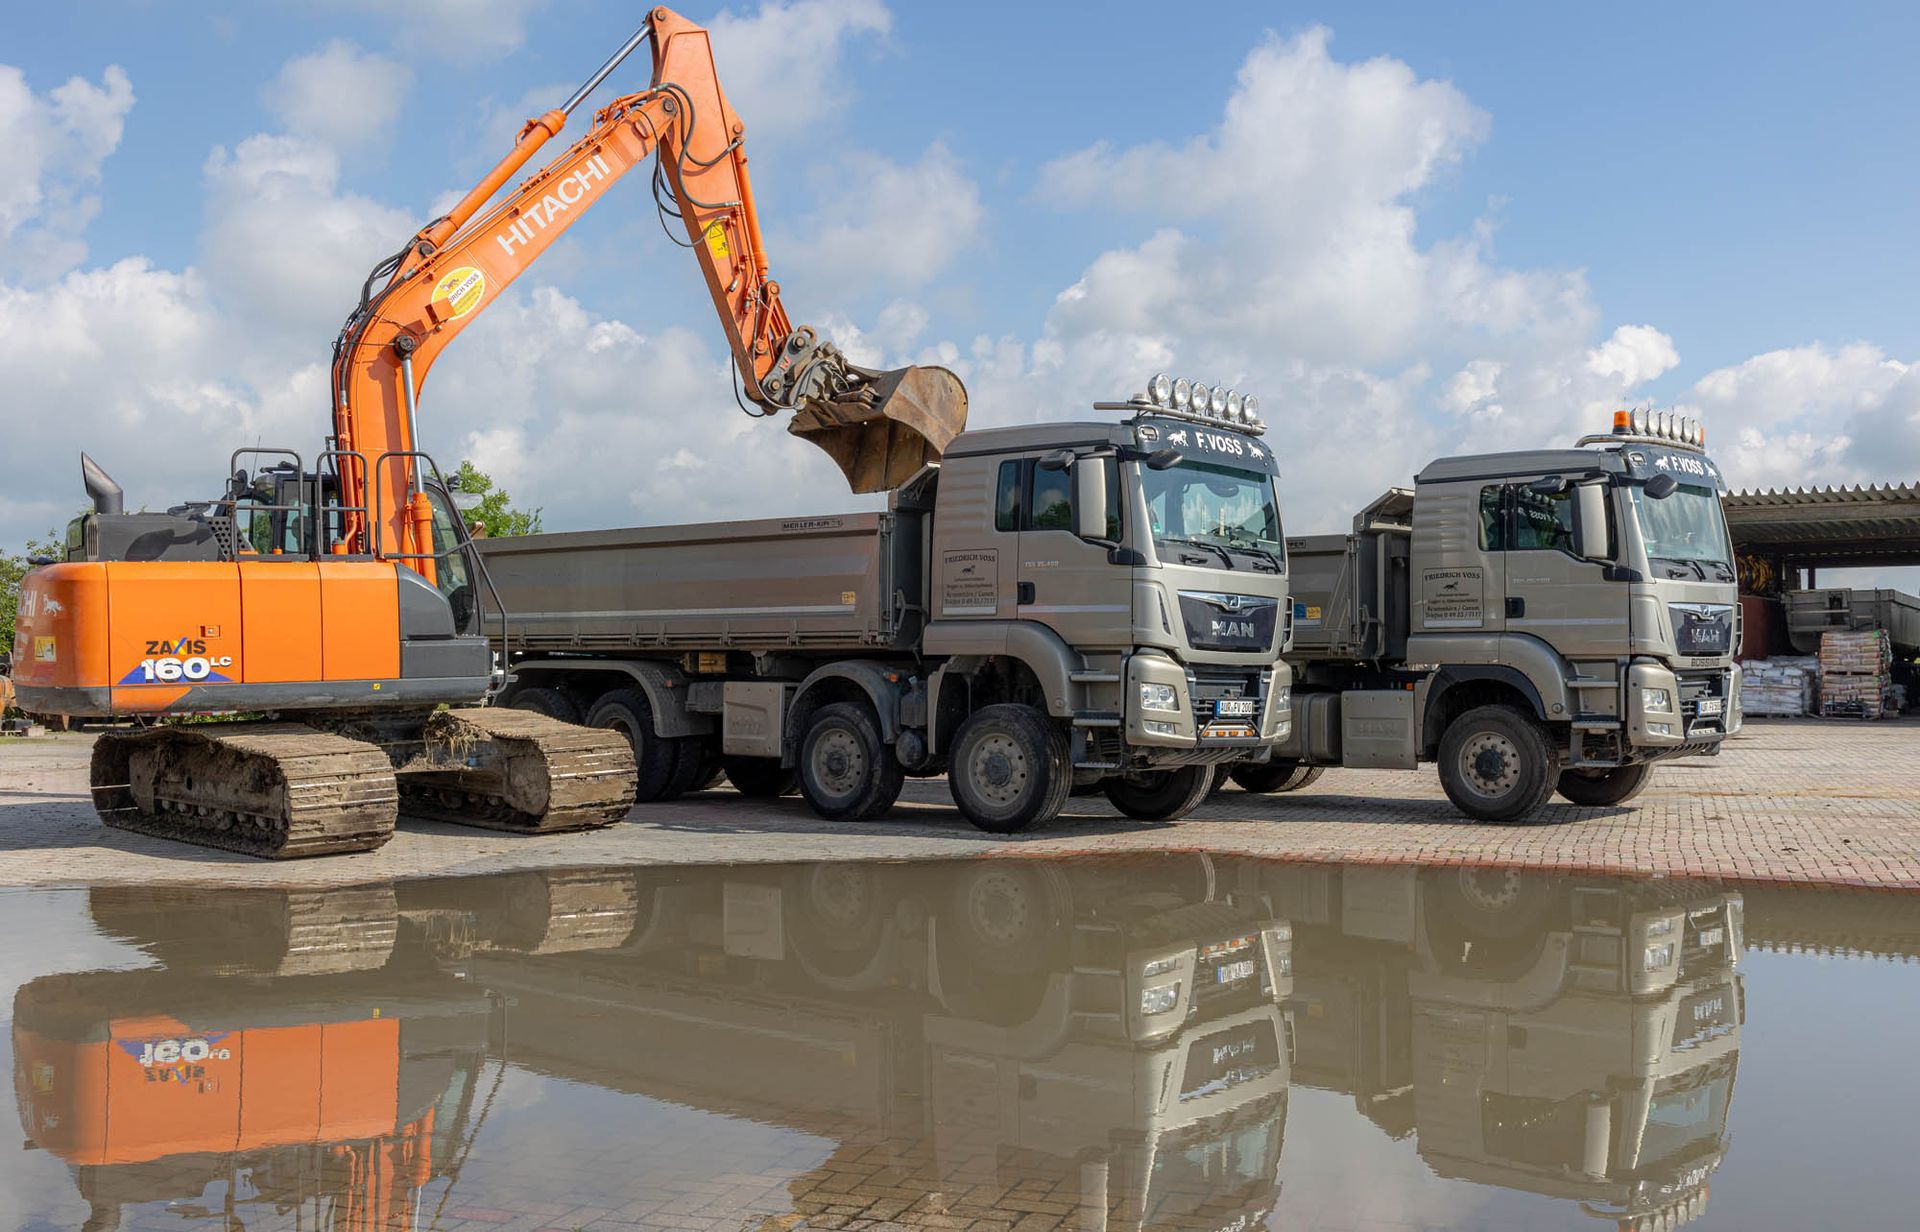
(1236, 406)
(1202, 398)
(1664, 425)
(1251, 405)
(1219, 400)
(1640, 420)
(1182, 394)
(1160, 389)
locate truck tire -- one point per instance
(761, 777)
(656, 758)
(689, 767)
(543, 700)
(1009, 769)
(1603, 787)
(1497, 764)
(1160, 795)
(847, 772)
(1276, 776)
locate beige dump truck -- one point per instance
(1552, 619)
(1050, 606)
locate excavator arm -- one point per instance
(879, 427)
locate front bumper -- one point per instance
(1704, 706)
(1204, 695)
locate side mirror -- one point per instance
(1090, 502)
(466, 502)
(1058, 460)
(1164, 458)
(1660, 487)
(1590, 521)
(1548, 485)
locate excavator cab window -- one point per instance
(450, 565)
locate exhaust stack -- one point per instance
(108, 496)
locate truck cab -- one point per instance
(1576, 607)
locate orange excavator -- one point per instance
(338, 593)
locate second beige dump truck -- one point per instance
(1058, 605)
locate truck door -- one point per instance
(1553, 594)
(1064, 581)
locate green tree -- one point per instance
(495, 510)
(12, 569)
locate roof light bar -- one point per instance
(1669, 427)
(1201, 401)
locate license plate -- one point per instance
(1712, 705)
(1234, 707)
(1233, 972)
(1712, 936)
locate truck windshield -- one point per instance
(1216, 516)
(1685, 532)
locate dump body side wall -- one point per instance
(839, 581)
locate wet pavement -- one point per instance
(1197, 1042)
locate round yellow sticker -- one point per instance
(462, 289)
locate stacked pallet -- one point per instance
(1784, 687)
(1856, 674)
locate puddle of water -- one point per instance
(1187, 1042)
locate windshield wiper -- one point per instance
(1253, 549)
(1698, 570)
(1226, 557)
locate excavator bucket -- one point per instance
(884, 426)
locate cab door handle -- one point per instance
(1516, 608)
(1023, 592)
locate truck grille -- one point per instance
(1698, 687)
(1701, 628)
(1208, 686)
(1228, 1058)
(1228, 622)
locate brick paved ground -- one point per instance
(1789, 800)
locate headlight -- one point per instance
(1283, 698)
(1656, 957)
(1159, 697)
(1656, 701)
(1160, 998)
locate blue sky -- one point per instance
(1731, 185)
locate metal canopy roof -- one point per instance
(1874, 525)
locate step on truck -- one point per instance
(1050, 606)
(1529, 622)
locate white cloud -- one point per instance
(51, 150)
(1813, 415)
(883, 224)
(339, 95)
(267, 188)
(783, 65)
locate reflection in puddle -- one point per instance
(1009, 1045)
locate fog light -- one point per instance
(1160, 998)
(1660, 729)
(1156, 728)
(1160, 966)
(1656, 957)
(1159, 697)
(1656, 701)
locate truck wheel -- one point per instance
(1602, 787)
(1160, 795)
(762, 777)
(1276, 776)
(1497, 764)
(628, 712)
(689, 766)
(847, 772)
(1009, 769)
(551, 702)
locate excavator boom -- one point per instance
(879, 427)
